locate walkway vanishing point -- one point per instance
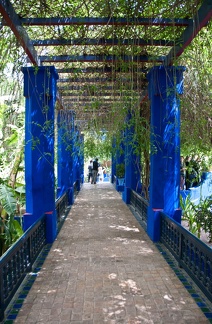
(103, 268)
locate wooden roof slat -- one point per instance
(100, 70)
(103, 42)
(101, 58)
(104, 21)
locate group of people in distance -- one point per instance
(189, 172)
(93, 171)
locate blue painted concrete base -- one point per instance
(126, 195)
(120, 188)
(28, 220)
(51, 226)
(71, 196)
(153, 224)
(177, 215)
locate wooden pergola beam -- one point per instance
(100, 70)
(104, 21)
(201, 19)
(103, 80)
(13, 21)
(103, 42)
(101, 58)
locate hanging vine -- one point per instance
(105, 89)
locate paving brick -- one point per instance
(103, 268)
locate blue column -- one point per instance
(132, 160)
(113, 162)
(72, 132)
(65, 150)
(165, 85)
(120, 158)
(76, 158)
(81, 158)
(40, 94)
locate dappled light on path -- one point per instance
(103, 268)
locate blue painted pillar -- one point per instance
(132, 160)
(72, 133)
(77, 158)
(65, 159)
(113, 162)
(77, 164)
(165, 85)
(120, 158)
(40, 94)
(81, 158)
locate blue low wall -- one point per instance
(203, 191)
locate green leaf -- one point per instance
(17, 232)
(7, 199)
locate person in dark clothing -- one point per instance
(182, 173)
(90, 168)
(191, 173)
(196, 171)
(95, 171)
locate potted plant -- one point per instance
(120, 173)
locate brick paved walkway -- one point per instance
(103, 268)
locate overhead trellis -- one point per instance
(101, 50)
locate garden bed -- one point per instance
(203, 235)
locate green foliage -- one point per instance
(196, 102)
(97, 144)
(11, 142)
(7, 199)
(188, 211)
(198, 216)
(10, 229)
(204, 216)
(120, 170)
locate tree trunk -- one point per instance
(15, 168)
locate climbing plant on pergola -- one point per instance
(103, 52)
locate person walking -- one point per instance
(90, 171)
(182, 173)
(95, 171)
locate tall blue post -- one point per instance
(65, 158)
(165, 84)
(76, 157)
(113, 162)
(120, 158)
(132, 161)
(81, 158)
(72, 132)
(40, 94)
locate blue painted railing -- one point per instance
(61, 206)
(192, 254)
(76, 188)
(17, 261)
(140, 205)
